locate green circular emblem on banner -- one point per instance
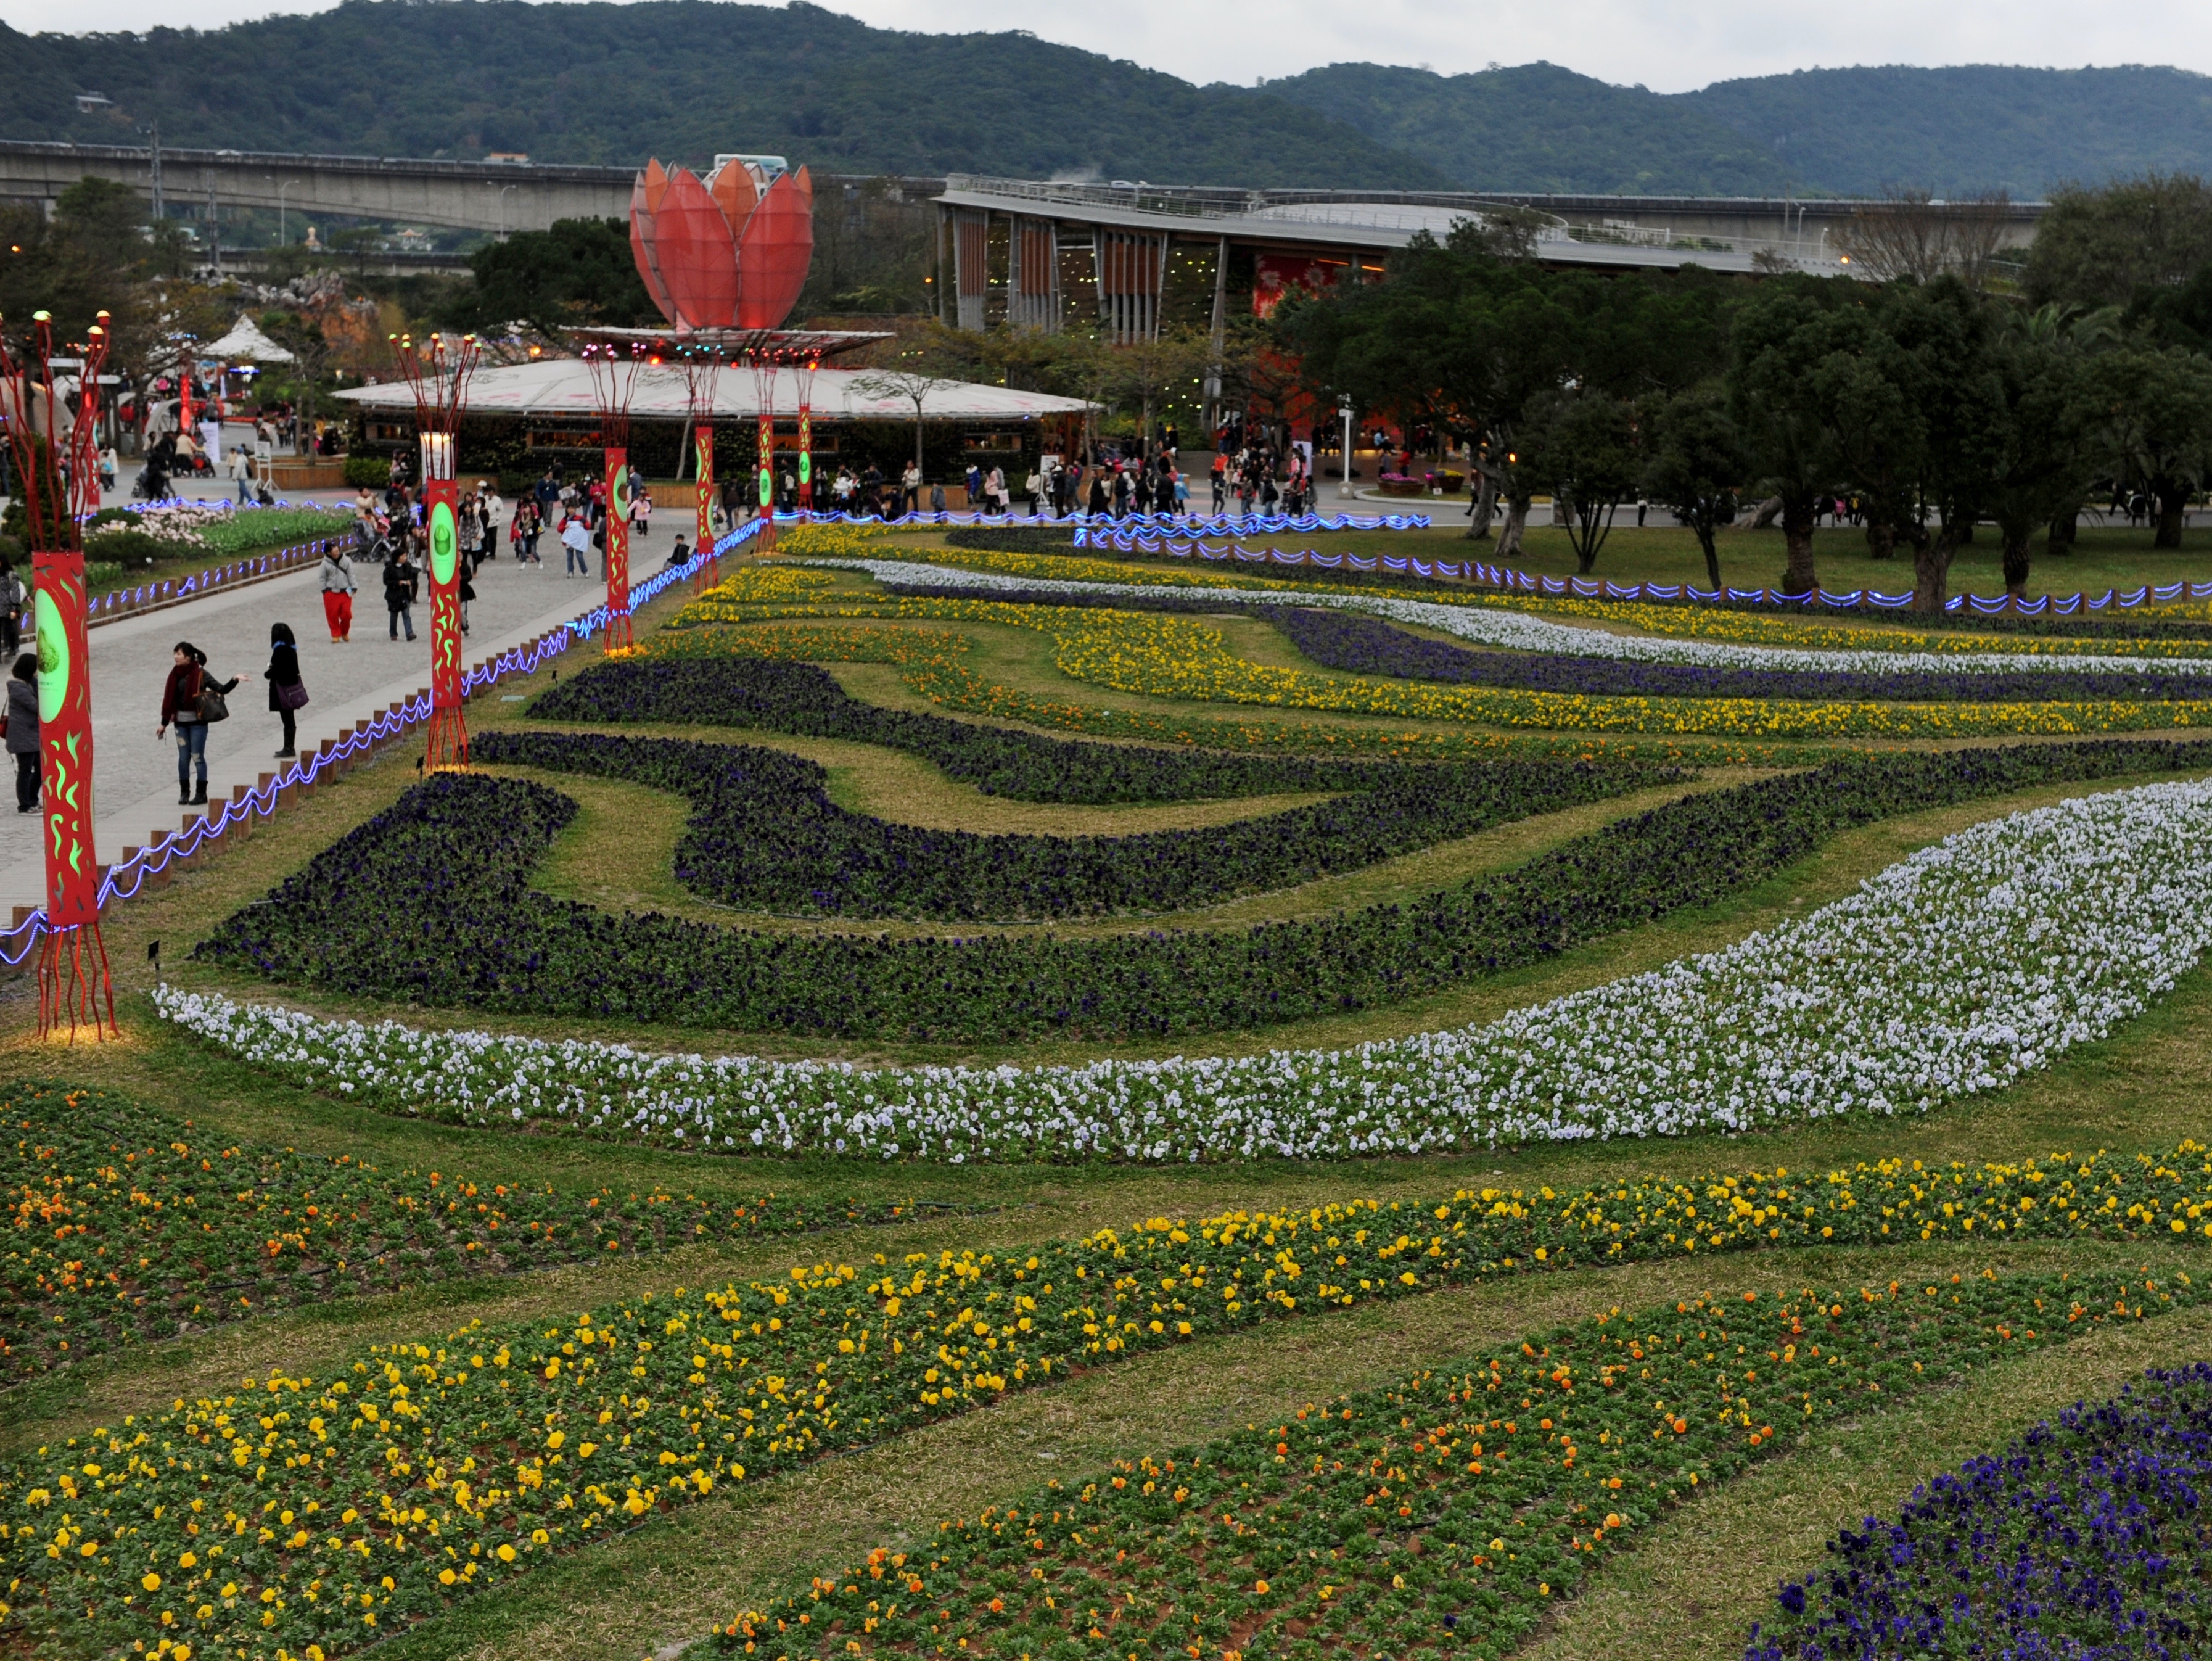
(805, 468)
(767, 487)
(620, 505)
(54, 665)
(443, 545)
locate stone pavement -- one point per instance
(135, 775)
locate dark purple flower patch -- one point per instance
(2086, 1539)
(766, 836)
(806, 700)
(430, 903)
(1356, 645)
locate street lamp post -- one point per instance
(503, 190)
(282, 185)
(1344, 411)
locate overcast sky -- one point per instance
(1670, 45)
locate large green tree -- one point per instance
(580, 271)
(1783, 339)
(1585, 444)
(2156, 414)
(1695, 462)
(2106, 245)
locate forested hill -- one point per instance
(685, 79)
(682, 79)
(1970, 128)
(1846, 132)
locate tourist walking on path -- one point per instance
(337, 593)
(402, 581)
(578, 541)
(12, 600)
(287, 694)
(237, 468)
(187, 705)
(23, 731)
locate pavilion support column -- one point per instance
(971, 260)
(1216, 338)
(1132, 269)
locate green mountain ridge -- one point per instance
(685, 79)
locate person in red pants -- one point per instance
(337, 593)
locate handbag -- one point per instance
(213, 706)
(293, 697)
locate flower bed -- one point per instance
(844, 541)
(720, 689)
(2082, 1538)
(1975, 961)
(132, 1224)
(1514, 625)
(222, 528)
(764, 836)
(1446, 1515)
(1183, 658)
(1953, 633)
(330, 1511)
(930, 662)
(1351, 644)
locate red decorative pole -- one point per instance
(614, 368)
(618, 636)
(764, 387)
(703, 450)
(56, 471)
(806, 436)
(440, 383)
(701, 364)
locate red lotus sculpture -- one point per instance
(727, 252)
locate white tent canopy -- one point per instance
(245, 343)
(563, 386)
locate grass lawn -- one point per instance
(1690, 1580)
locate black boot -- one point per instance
(200, 796)
(183, 795)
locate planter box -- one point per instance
(298, 475)
(1405, 487)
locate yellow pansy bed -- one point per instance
(1159, 655)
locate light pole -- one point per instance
(282, 185)
(1344, 411)
(503, 190)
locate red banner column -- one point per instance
(702, 449)
(448, 746)
(66, 740)
(619, 637)
(767, 538)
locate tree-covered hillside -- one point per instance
(685, 79)
(1971, 127)
(682, 79)
(1542, 128)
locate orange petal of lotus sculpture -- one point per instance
(727, 252)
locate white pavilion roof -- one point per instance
(563, 386)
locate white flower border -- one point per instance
(1520, 631)
(1976, 960)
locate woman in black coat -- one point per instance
(23, 731)
(286, 695)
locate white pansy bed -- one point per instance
(1955, 971)
(1519, 631)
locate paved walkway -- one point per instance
(135, 775)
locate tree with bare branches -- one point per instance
(1912, 232)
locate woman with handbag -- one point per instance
(192, 701)
(288, 693)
